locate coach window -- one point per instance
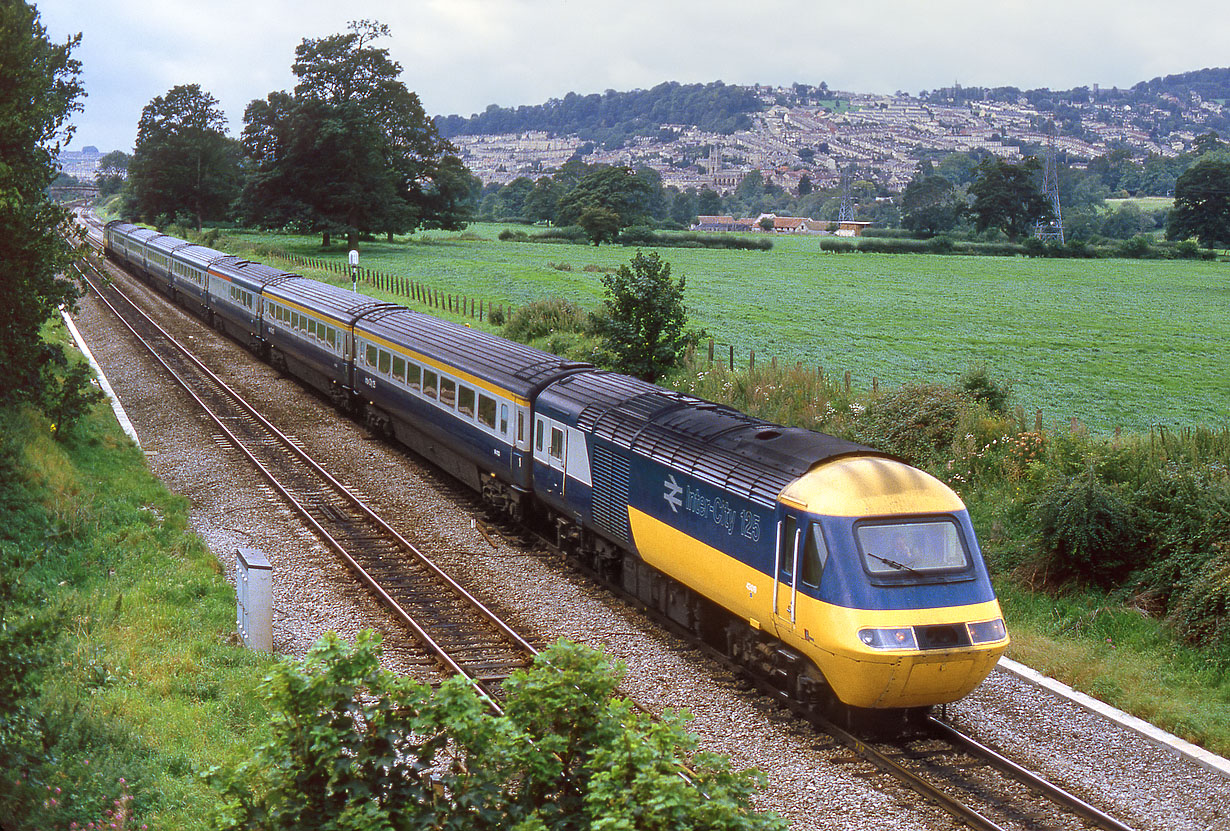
(385, 359)
(399, 368)
(540, 424)
(815, 554)
(465, 401)
(331, 336)
(429, 383)
(371, 352)
(557, 443)
(414, 376)
(311, 326)
(486, 411)
(448, 391)
(520, 425)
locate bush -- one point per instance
(914, 421)
(980, 386)
(544, 317)
(1138, 248)
(1087, 530)
(941, 244)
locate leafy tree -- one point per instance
(600, 224)
(183, 160)
(1202, 204)
(684, 206)
(805, 186)
(351, 150)
(352, 746)
(929, 205)
(643, 324)
(40, 89)
(708, 202)
(112, 170)
(615, 189)
(1007, 196)
(540, 204)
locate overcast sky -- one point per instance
(461, 55)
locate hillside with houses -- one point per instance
(803, 137)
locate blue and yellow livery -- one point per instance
(836, 571)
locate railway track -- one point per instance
(974, 783)
(979, 787)
(461, 635)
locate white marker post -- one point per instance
(354, 269)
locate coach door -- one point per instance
(785, 592)
(550, 450)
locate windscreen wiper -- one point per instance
(894, 564)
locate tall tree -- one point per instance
(1007, 196)
(929, 205)
(39, 90)
(617, 190)
(1202, 204)
(112, 171)
(351, 150)
(183, 160)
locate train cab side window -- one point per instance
(486, 411)
(785, 553)
(557, 443)
(520, 425)
(429, 383)
(414, 376)
(465, 401)
(539, 437)
(504, 419)
(815, 555)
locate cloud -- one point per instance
(461, 55)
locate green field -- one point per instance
(1112, 343)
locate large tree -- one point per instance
(351, 150)
(39, 90)
(183, 161)
(112, 171)
(1007, 196)
(929, 205)
(614, 190)
(1202, 204)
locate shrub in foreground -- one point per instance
(355, 746)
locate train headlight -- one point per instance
(988, 631)
(900, 638)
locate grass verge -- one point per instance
(143, 686)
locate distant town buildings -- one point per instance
(882, 136)
(81, 164)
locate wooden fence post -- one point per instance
(732, 357)
(751, 361)
(847, 382)
(710, 350)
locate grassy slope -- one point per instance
(146, 683)
(1113, 343)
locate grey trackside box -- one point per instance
(254, 593)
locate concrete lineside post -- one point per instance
(254, 596)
